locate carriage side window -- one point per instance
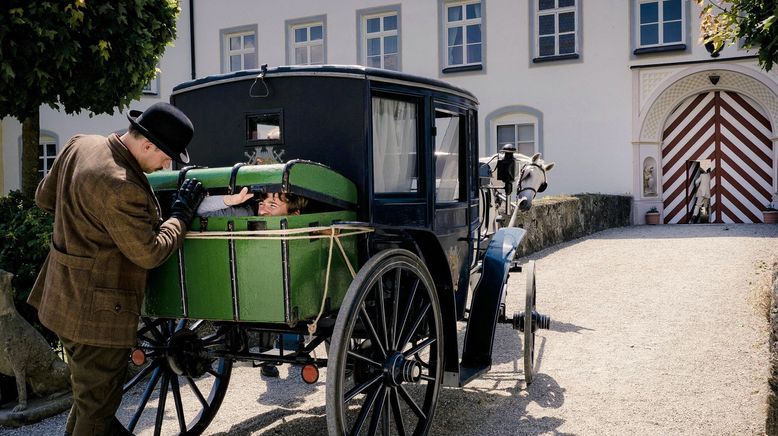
(263, 128)
(448, 128)
(395, 145)
(239, 49)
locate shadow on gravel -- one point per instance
(478, 411)
(566, 327)
(283, 422)
(466, 411)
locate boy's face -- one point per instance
(273, 205)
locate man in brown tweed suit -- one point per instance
(107, 233)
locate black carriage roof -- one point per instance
(348, 71)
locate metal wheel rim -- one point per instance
(392, 401)
(529, 331)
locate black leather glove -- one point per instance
(189, 197)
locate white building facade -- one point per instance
(619, 93)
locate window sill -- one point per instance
(660, 49)
(556, 58)
(463, 68)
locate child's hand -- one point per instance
(240, 197)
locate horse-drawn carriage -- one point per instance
(405, 234)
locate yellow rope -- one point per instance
(283, 234)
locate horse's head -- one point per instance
(533, 178)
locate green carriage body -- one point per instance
(265, 278)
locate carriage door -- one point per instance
(730, 134)
(451, 223)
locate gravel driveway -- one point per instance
(655, 330)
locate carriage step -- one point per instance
(539, 321)
(470, 373)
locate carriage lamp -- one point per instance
(506, 168)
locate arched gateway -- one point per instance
(706, 141)
(733, 133)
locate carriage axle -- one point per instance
(539, 321)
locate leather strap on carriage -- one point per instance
(233, 177)
(182, 173)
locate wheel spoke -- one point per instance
(415, 326)
(395, 306)
(364, 359)
(145, 399)
(381, 310)
(377, 411)
(408, 400)
(179, 405)
(141, 375)
(371, 329)
(366, 406)
(181, 324)
(356, 390)
(386, 415)
(161, 404)
(407, 311)
(398, 417)
(196, 325)
(214, 373)
(196, 391)
(428, 378)
(149, 325)
(419, 347)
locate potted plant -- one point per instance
(652, 216)
(770, 214)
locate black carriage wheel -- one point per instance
(385, 364)
(178, 361)
(529, 327)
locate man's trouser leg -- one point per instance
(96, 375)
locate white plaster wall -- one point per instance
(589, 106)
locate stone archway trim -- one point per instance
(736, 78)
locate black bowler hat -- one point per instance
(167, 127)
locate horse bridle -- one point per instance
(542, 186)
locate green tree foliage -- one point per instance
(729, 21)
(75, 55)
(25, 235)
(96, 55)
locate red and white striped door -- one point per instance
(733, 132)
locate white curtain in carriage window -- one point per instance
(395, 167)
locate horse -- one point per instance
(505, 192)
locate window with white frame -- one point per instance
(46, 154)
(239, 50)
(463, 33)
(521, 136)
(307, 43)
(152, 87)
(556, 24)
(381, 40)
(660, 23)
